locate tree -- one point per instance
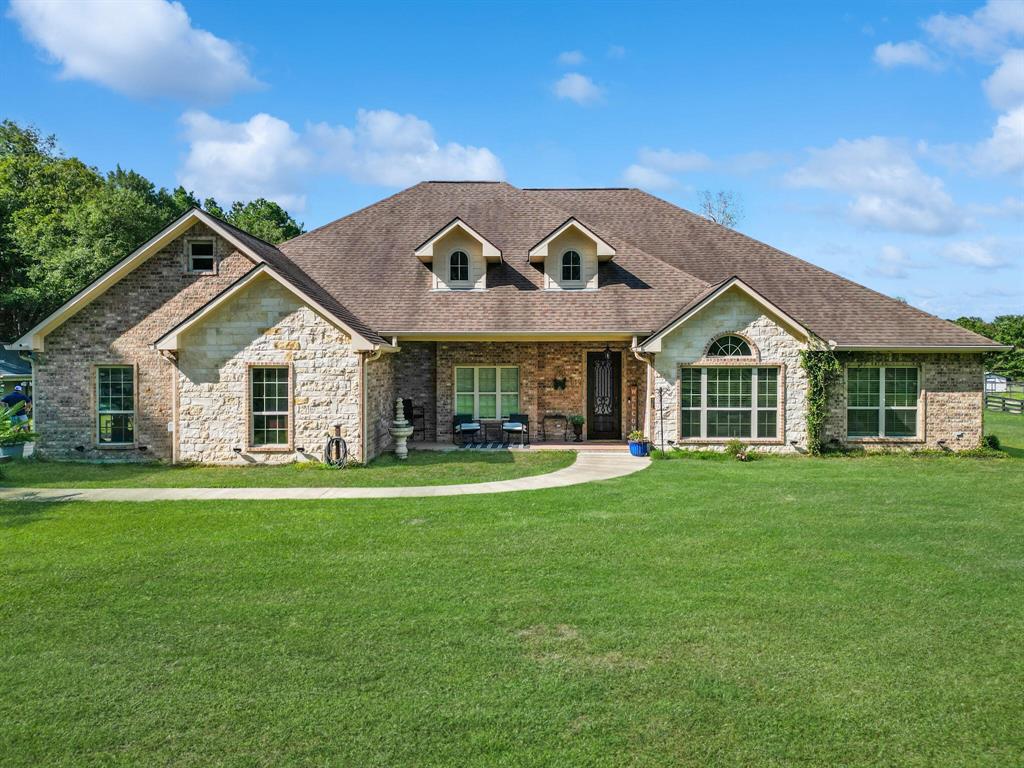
(63, 223)
(1006, 329)
(722, 207)
(263, 218)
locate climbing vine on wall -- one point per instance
(823, 369)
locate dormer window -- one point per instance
(458, 267)
(572, 267)
(201, 260)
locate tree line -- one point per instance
(64, 223)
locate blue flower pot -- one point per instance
(639, 447)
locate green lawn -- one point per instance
(1009, 428)
(421, 468)
(784, 612)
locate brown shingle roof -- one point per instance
(665, 257)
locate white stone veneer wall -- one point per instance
(267, 325)
(733, 312)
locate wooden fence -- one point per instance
(1007, 404)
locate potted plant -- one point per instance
(639, 445)
(577, 422)
(13, 435)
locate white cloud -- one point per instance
(1005, 87)
(265, 157)
(144, 48)
(655, 167)
(674, 162)
(911, 54)
(982, 255)
(571, 58)
(889, 189)
(578, 88)
(984, 33)
(647, 178)
(1003, 152)
(390, 149)
(893, 262)
(262, 157)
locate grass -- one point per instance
(1009, 428)
(421, 468)
(783, 612)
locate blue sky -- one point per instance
(883, 141)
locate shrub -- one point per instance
(991, 442)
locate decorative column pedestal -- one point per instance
(400, 430)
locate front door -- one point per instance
(604, 395)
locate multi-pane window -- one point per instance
(572, 267)
(200, 256)
(881, 402)
(729, 402)
(115, 405)
(458, 267)
(486, 392)
(269, 406)
(729, 346)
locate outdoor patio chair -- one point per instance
(414, 414)
(465, 428)
(517, 424)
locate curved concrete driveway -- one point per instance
(588, 467)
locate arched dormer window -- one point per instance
(572, 267)
(729, 346)
(458, 267)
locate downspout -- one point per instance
(364, 415)
(648, 359)
(172, 358)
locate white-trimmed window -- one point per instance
(729, 346)
(486, 391)
(269, 406)
(729, 402)
(458, 267)
(200, 255)
(572, 267)
(115, 405)
(881, 401)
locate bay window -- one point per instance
(486, 391)
(881, 402)
(729, 402)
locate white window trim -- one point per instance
(251, 412)
(468, 282)
(188, 255)
(742, 363)
(96, 407)
(882, 407)
(561, 269)
(476, 389)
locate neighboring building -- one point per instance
(210, 345)
(994, 382)
(14, 370)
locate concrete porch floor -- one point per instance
(605, 446)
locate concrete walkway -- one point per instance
(588, 467)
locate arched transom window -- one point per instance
(571, 267)
(458, 267)
(729, 346)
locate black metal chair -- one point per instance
(517, 424)
(466, 428)
(415, 416)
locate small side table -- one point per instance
(554, 417)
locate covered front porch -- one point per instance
(547, 382)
